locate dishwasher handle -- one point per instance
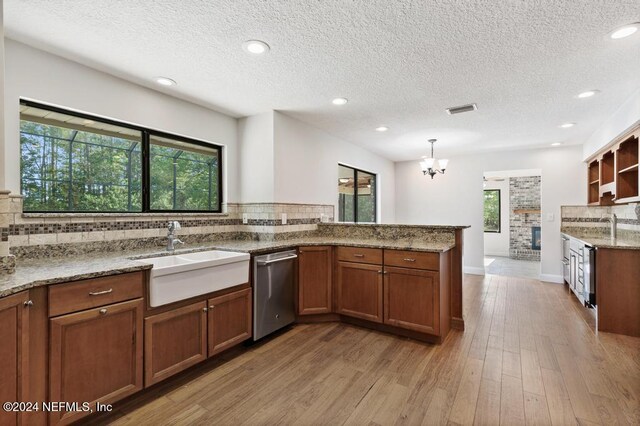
(282, 259)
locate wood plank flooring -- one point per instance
(529, 355)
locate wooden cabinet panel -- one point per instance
(85, 294)
(229, 320)
(14, 359)
(360, 290)
(411, 299)
(174, 341)
(360, 255)
(314, 280)
(95, 355)
(618, 291)
(412, 259)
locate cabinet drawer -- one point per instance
(86, 294)
(412, 259)
(360, 255)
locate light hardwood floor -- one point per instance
(529, 355)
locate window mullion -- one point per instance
(146, 184)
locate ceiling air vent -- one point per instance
(462, 108)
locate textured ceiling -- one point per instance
(400, 63)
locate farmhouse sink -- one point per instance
(181, 276)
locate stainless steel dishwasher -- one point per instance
(273, 306)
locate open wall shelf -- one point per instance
(627, 169)
(612, 176)
(607, 168)
(594, 182)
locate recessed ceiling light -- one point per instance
(588, 93)
(625, 31)
(165, 81)
(556, 144)
(382, 129)
(339, 101)
(343, 180)
(567, 125)
(256, 47)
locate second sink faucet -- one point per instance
(174, 225)
(614, 226)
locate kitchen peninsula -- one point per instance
(401, 279)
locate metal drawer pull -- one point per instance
(28, 303)
(282, 259)
(98, 293)
(358, 255)
(408, 259)
(103, 311)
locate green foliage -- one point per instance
(193, 175)
(491, 210)
(67, 170)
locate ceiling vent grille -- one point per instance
(462, 108)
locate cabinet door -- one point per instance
(174, 341)
(314, 280)
(411, 299)
(95, 355)
(360, 290)
(14, 360)
(229, 320)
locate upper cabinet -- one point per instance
(612, 176)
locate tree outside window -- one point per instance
(492, 210)
(73, 162)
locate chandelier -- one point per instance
(428, 164)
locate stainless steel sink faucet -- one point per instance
(614, 226)
(174, 225)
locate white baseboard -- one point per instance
(558, 279)
(473, 270)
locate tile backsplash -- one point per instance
(596, 219)
(24, 234)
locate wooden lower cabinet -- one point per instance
(411, 299)
(314, 280)
(14, 358)
(359, 288)
(174, 341)
(95, 356)
(229, 320)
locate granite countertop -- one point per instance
(598, 240)
(38, 272)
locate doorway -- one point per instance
(512, 222)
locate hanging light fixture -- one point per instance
(428, 164)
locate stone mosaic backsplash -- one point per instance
(598, 218)
(36, 234)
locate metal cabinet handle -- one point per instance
(212, 306)
(408, 259)
(379, 272)
(28, 303)
(205, 309)
(269, 262)
(98, 293)
(358, 255)
(103, 311)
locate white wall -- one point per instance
(306, 166)
(497, 243)
(625, 117)
(456, 197)
(38, 75)
(256, 158)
